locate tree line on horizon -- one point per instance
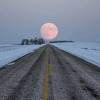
(33, 41)
(39, 41)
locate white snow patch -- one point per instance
(9, 53)
(85, 50)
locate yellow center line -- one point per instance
(46, 79)
(46, 88)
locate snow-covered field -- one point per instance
(86, 50)
(9, 53)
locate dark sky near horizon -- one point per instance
(77, 20)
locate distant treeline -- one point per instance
(39, 41)
(60, 41)
(33, 41)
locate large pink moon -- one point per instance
(49, 31)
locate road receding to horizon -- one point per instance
(50, 73)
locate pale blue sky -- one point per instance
(77, 20)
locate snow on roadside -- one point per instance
(8, 47)
(15, 52)
(85, 50)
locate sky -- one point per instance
(77, 20)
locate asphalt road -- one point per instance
(50, 74)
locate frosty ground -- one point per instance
(9, 52)
(86, 50)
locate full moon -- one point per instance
(49, 31)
